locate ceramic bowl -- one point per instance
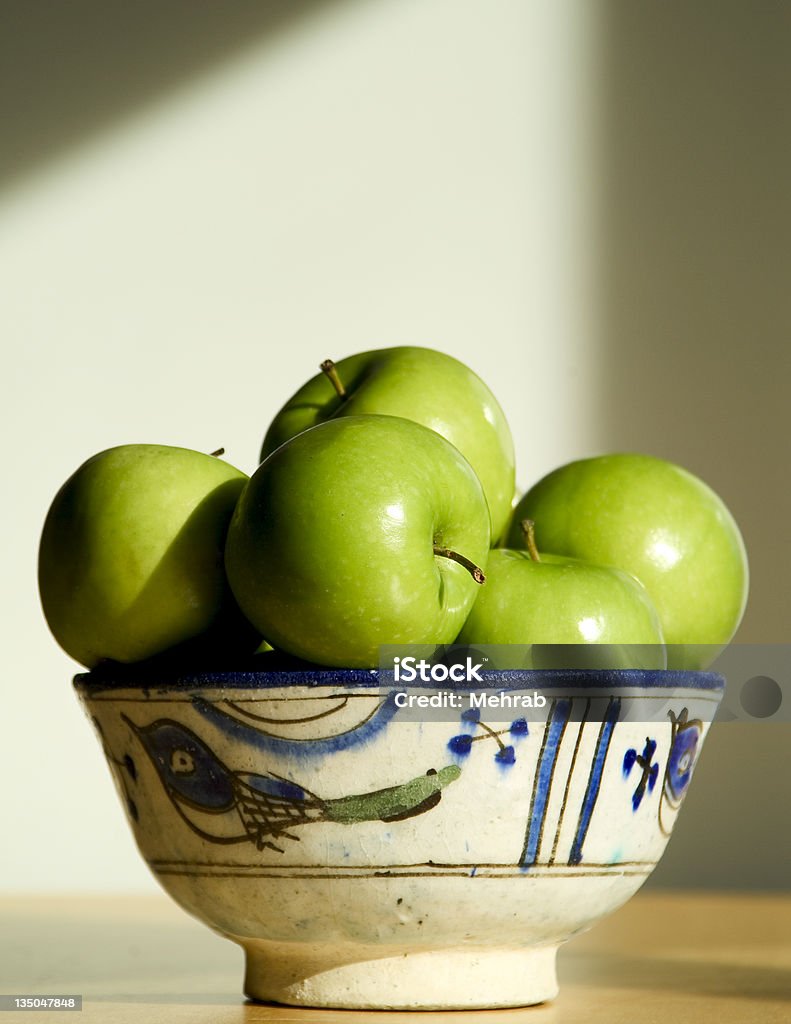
(368, 858)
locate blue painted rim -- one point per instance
(515, 679)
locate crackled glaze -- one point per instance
(363, 859)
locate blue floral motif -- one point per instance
(650, 772)
(460, 745)
(505, 755)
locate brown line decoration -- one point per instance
(186, 698)
(526, 874)
(370, 692)
(583, 720)
(604, 723)
(234, 705)
(396, 867)
(215, 705)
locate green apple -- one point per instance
(573, 614)
(658, 522)
(131, 556)
(359, 532)
(418, 384)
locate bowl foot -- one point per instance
(399, 979)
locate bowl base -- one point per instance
(398, 979)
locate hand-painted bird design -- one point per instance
(209, 795)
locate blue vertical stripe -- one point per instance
(594, 780)
(538, 807)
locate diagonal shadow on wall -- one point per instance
(68, 70)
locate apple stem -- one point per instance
(470, 566)
(529, 531)
(331, 370)
(216, 454)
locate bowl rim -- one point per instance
(146, 679)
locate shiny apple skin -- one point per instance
(423, 385)
(660, 523)
(330, 551)
(571, 613)
(131, 555)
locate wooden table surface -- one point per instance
(668, 957)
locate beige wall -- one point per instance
(585, 201)
(694, 271)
